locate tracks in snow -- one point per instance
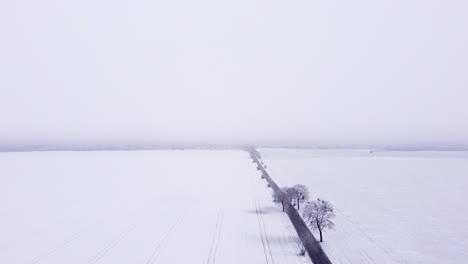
(63, 244)
(263, 235)
(157, 250)
(216, 237)
(112, 244)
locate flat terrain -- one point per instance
(139, 207)
(391, 207)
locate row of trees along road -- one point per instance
(318, 214)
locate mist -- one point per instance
(311, 73)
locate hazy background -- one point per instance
(329, 73)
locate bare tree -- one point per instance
(319, 215)
(292, 194)
(301, 194)
(280, 196)
(298, 242)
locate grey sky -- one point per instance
(329, 72)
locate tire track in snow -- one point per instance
(266, 236)
(156, 251)
(112, 244)
(216, 237)
(219, 237)
(63, 244)
(368, 257)
(263, 234)
(350, 226)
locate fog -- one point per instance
(319, 73)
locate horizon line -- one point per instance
(214, 146)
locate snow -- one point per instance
(391, 207)
(139, 207)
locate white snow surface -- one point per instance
(391, 207)
(139, 207)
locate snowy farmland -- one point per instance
(139, 207)
(391, 207)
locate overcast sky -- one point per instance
(386, 72)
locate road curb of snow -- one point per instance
(315, 251)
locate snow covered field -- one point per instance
(139, 207)
(391, 207)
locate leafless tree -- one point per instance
(301, 194)
(292, 194)
(280, 196)
(298, 242)
(319, 214)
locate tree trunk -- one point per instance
(298, 203)
(320, 231)
(282, 203)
